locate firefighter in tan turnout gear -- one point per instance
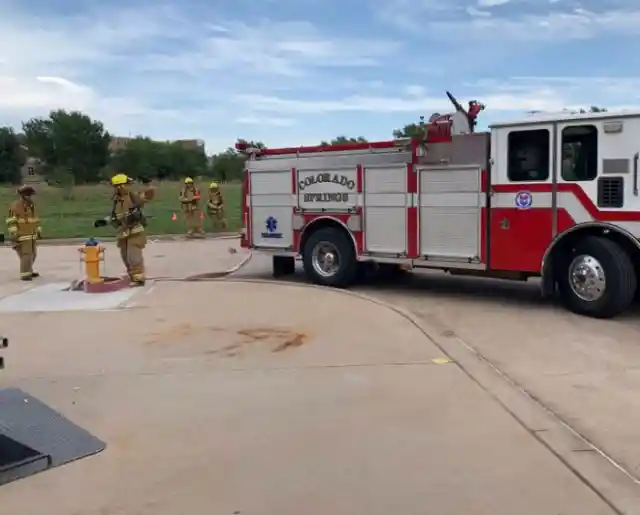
(129, 220)
(24, 231)
(215, 208)
(190, 200)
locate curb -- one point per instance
(610, 481)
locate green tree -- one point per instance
(412, 130)
(177, 161)
(229, 165)
(69, 141)
(594, 109)
(140, 158)
(145, 158)
(343, 140)
(11, 156)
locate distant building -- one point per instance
(195, 144)
(31, 170)
(118, 143)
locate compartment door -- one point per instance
(450, 211)
(271, 209)
(385, 208)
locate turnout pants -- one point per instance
(194, 224)
(27, 253)
(218, 220)
(131, 252)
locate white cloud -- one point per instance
(516, 94)
(477, 13)
(285, 48)
(174, 73)
(266, 121)
(492, 3)
(614, 17)
(394, 104)
(162, 71)
(415, 90)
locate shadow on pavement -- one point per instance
(435, 284)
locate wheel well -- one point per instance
(322, 223)
(568, 239)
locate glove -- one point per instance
(100, 223)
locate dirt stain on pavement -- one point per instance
(274, 339)
(179, 332)
(283, 338)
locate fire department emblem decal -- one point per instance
(524, 199)
(271, 224)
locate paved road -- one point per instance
(229, 397)
(587, 372)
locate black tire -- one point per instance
(283, 265)
(347, 262)
(619, 273)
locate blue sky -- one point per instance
(294, 72)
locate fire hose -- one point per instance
(207, 276)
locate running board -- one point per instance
(34, 437)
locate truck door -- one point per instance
(521, 217)
(577, 158)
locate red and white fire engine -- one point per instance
(550, 196)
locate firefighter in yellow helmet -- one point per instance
(24, 229)
(215, 208)
(190, 200)
(129, 220)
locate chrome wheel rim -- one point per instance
(587, 278)
(325, 259)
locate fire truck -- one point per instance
(553, 196)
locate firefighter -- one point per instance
(24, 231)
(129, 220)
(190, 200)
(215, 208)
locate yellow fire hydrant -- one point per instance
(92, 255)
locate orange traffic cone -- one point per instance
(174, 216)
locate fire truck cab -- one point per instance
(554, 196)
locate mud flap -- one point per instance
(34, 437)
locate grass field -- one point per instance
(74, 218)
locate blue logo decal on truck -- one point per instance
(524, 200)
(271, 224)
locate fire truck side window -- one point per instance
(580, 153)
(528, 155)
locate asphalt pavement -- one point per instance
(249, 397)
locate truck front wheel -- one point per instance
(597, 278)
(329, 258)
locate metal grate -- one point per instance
(611, 192)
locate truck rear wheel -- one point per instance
(597, 278)
(329, 258)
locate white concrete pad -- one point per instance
(53, 297)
